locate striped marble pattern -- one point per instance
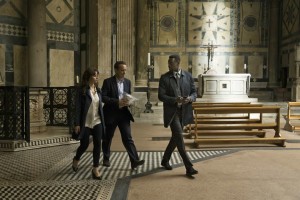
(46, 173)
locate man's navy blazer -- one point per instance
(110, 97)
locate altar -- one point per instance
(224, 88)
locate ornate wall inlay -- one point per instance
(166, 23)
(252, 22)
(290, 22)
(13, 8)
(13, 30)
(209, 22)
(60, 36)
(61, 12)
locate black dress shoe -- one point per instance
(75, 165)
(137, 163)
(191, 172)
(106, 163)
(96, 177)
(166, 165)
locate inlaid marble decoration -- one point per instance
(236, 30)
(60, 12)
(2, 64)
(13, 30)
(291, 17)
(166, 23)
(251, 22)
(209, 22)
(14, 8)
(61, 70)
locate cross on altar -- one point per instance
(210, 52)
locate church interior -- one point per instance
(244, 57)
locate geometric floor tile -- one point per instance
(46, 173)
(53, 190)
(120, 165)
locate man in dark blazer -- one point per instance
(117, 114)
(177, 92)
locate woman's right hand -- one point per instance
(77, 129)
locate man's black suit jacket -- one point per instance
(110, 97)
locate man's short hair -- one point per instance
(116, 65)
(177, 57)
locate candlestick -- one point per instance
(226, 69)
(149, 59)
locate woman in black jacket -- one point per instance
(89, 119)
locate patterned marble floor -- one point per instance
(46, 173)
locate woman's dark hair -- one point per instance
(88, 73)
(116, 65)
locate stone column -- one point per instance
(105, 39)
(93, 42)
(37, 62)
(37, 44)
(273, 58)
(143, 41)
(126, 35)
(295, 88)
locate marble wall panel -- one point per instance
(255, 66)
(161, 64)
(251, 19)
(20, 66)
(292, 64)
(236, 64)
(61, 68)
(2, 64)
(199, 65)
(219, 63)
(167, 26)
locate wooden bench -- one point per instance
(249, 128)
(291, 117)
(225, 119)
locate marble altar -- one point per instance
(224, 88)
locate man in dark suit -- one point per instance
(116, 113)
(177, 92)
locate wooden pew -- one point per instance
(292, 117)
(223, 128)
(225, 119)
